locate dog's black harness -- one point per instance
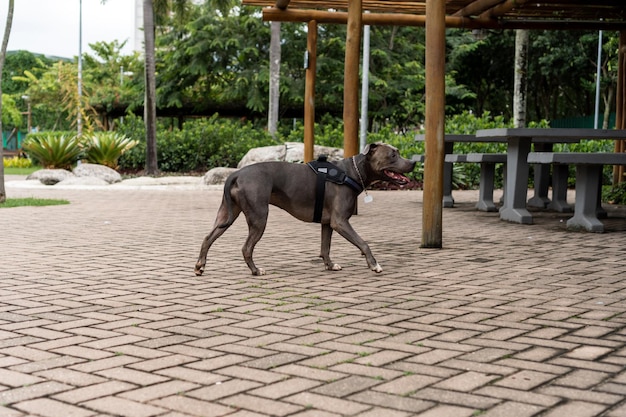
(327, 171)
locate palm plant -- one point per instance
(105, 148)
(53, 151)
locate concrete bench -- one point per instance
(588, 183)
(487, 163)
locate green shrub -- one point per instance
(17, 162)
(105, 148)
(53, 150)
(201, 144)
(614, 194)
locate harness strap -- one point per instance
(320, 190)
(326, 171)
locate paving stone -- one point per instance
(50, 408)
(466, 382)
(112, 405)
(321, 402)
(70, 377)
(262, 405)
(576, 409)
(132, 376)
(90, 392)
(285, 388)
(223, 389)
(30, 392)
(191, 406)
(525, 380)
(17, 379)
(380, 399)
(346, 386)
(448, 410)
(513, 409)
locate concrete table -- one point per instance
(518, 147)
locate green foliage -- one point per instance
(11, 115)
(201, 144)
(17, 162)
(105, 148)
(53, 150)
(614, 194)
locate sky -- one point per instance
(51, 27)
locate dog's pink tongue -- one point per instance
(396, 176)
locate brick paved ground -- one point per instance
(101, 315)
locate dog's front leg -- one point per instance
(327, 233)
(344, 228)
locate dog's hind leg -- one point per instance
(216, 232)
(327, 233)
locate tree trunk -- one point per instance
(608, 99)
(521, 78)
(152, 167)
(275, 55)
(3, 54)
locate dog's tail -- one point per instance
(228, 199)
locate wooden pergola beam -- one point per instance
(501, 8)
(372, 19)
(476, 8)
(461, 22)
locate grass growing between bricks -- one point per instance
(31, 201)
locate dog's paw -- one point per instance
(334, 267)
(198, 270)
(377, 268)
(259, 271)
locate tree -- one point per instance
(152, 166)
(272, 118)
(521, 68)
(3, 54)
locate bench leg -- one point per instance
(448, 200)
(587, 183)
(559, 189)
(485, 193)
(514, 208)
(542, 179)
(600, 211)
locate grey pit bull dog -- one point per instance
(292, 187)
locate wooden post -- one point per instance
(620, 111)
(309, 91)
(351, 79)
(435, 122)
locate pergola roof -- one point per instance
(493, 14)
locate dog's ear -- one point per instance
(369, 148)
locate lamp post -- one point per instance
(28, 113)
(79, 120)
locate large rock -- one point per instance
(98, 171)
(217, 175)
(50, 176)
(290, 152)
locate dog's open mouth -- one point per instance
(396, 177)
